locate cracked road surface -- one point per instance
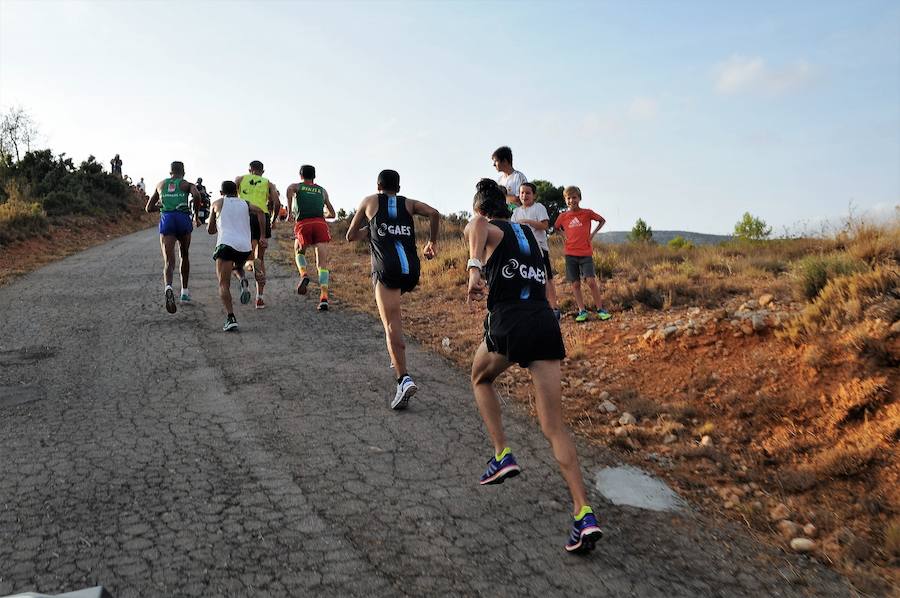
(157, 455)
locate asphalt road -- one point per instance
(159, 456)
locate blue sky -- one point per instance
(685, 114)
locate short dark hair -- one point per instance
(229, 188)
(531, 186)
(177, 167)
(307, 171)
(256, 165)
(389, 180)
(502, 154)
(490, 200)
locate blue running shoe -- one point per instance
(498, 471)
(585, 533)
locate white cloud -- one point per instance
(752, 75)
(643, 109)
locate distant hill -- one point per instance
(664, 236)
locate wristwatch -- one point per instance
(473, 263)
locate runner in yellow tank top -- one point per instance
(260, 192)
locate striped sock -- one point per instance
(300, 259)
(323, 283)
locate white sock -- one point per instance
(184, 291)
(259, 296)
(168, 287)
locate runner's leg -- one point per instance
(486, 366)
(546, 376)
(167, 245)
(322, 266)
(260, 255)
(184, 245)
(551, 294)
(388, 301)
(224, 268)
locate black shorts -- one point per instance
(404, 282)
(255, 228)
(229, 254)
(524, 332)
(547, 265)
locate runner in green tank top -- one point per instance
(260, 192)
(309, 205)
(175, 226)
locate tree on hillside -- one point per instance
(641, 232)
(751, 228)
(17, 133)
(342, 214)
(551, 197)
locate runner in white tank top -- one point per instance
(231, 220)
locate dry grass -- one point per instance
(20, 216)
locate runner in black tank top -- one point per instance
(392, 237)
(520, 328)
(395, 263)
(520, 324)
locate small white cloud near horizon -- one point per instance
(643, 109)
(740, 74)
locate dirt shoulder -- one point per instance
(789, 440)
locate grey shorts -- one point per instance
(578, 267)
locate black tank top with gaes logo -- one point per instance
(515, 271)
(392, 236)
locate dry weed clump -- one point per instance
(844, 301)
(856, 398)
(20, 216)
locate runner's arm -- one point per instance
(198, 200)
(476, 235)
(329, 212)
(153, 202)
(423, 209)
(274, 197)
(211, 227)
(354, 232)
(291, 190)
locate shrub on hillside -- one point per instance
(815, 271)
(680, 242)
(20, 217)
(63, 189)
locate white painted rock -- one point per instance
(445, 343)
(706, 440)
(627, 419)
(803, 545)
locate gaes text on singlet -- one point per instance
(309, 201)
(392, 237)
(173, 198)
(255, 189)
(515, 271)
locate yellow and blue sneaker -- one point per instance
(585, 533)
(602, 314)
(498, 470)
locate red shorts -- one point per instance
(311, 231)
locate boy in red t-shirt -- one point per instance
(575, 223)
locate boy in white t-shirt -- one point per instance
(534, 215)
(509, 178)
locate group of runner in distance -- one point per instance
(508, 265)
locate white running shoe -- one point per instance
(405, 389)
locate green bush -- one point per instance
(680, 242)
(815, 271)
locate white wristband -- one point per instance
(473, 263)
